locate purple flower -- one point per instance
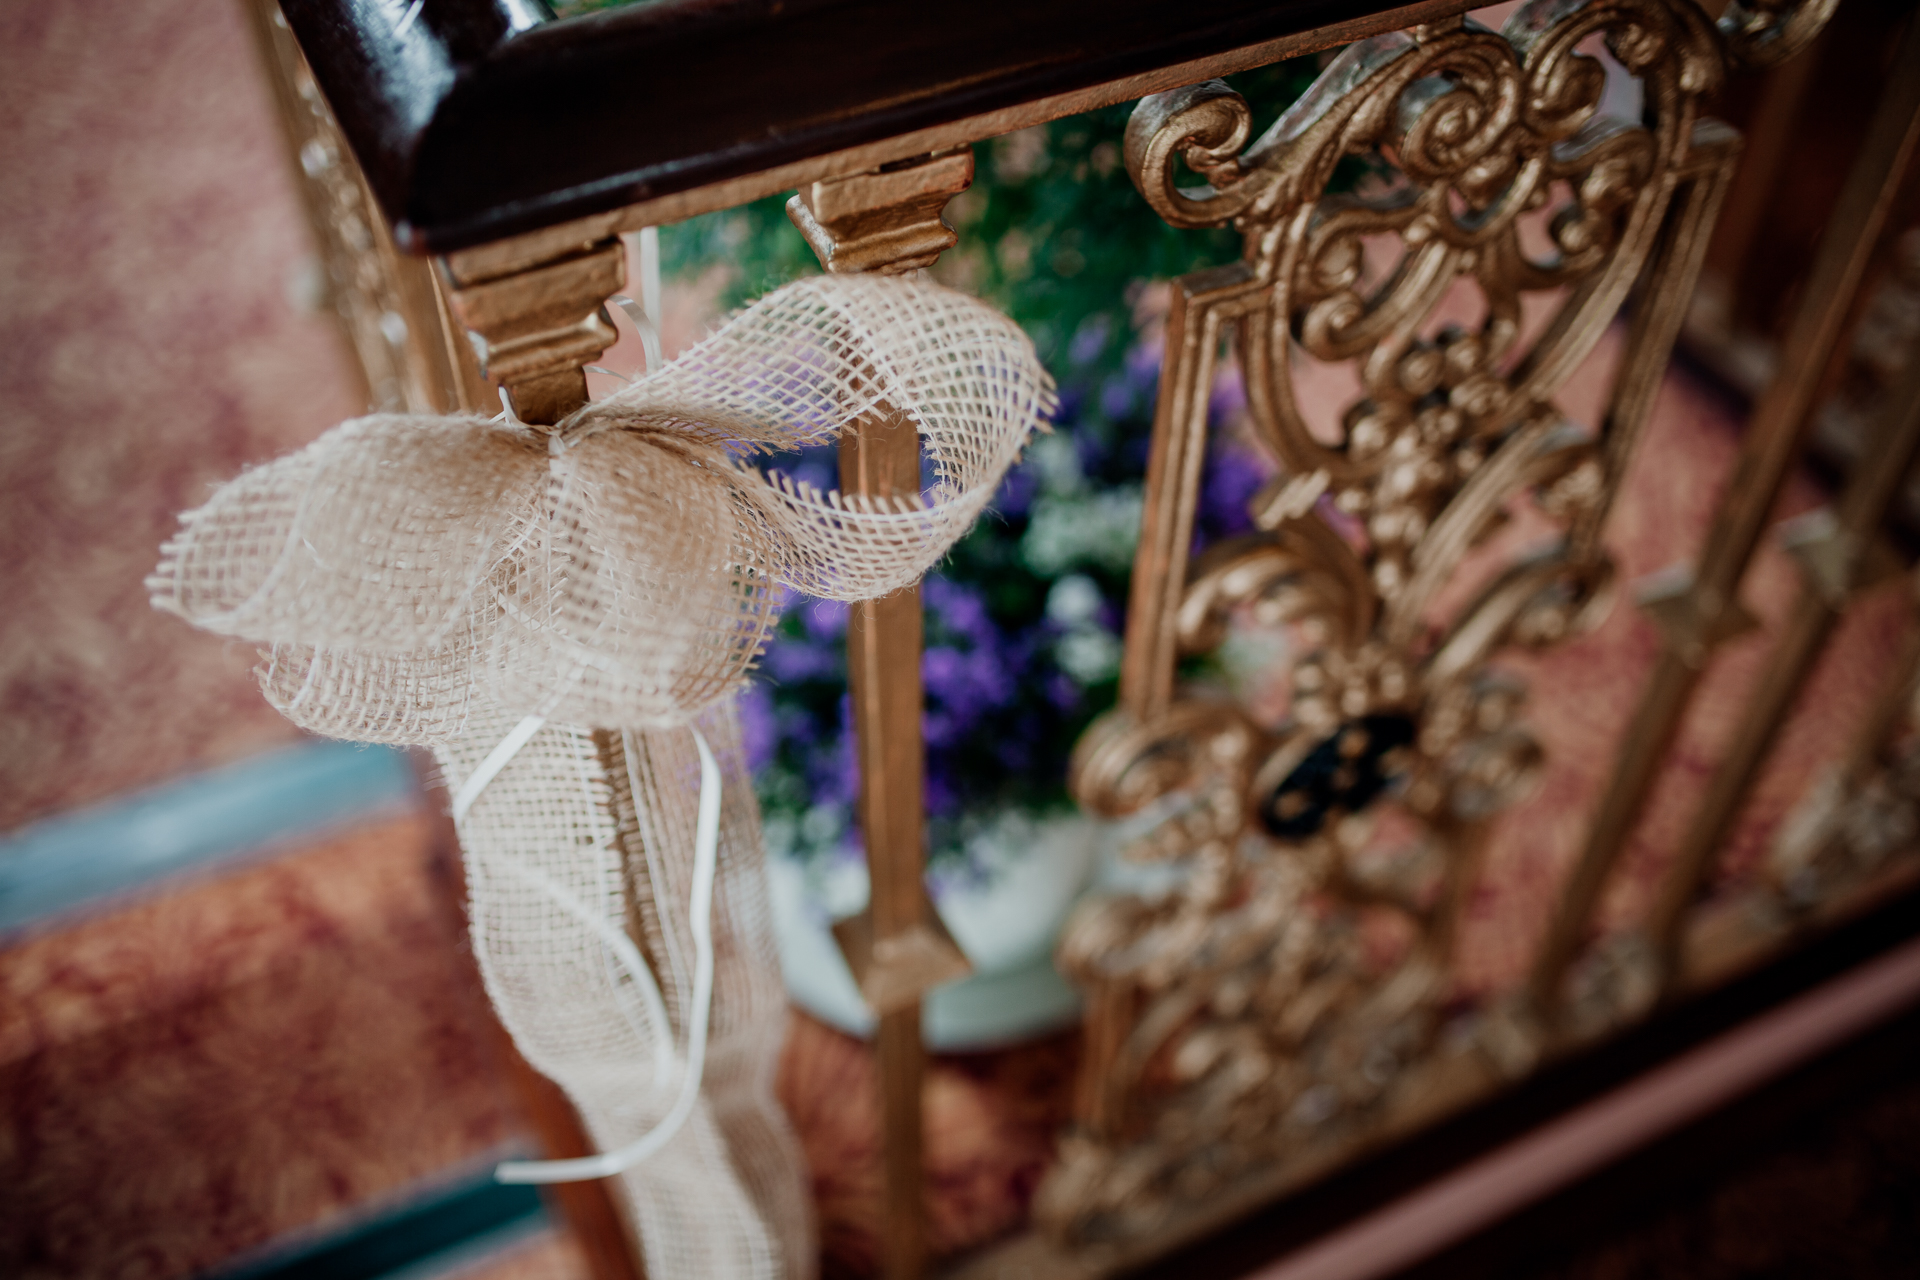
(790, 660)
(958, 611)
(825, 619)
(1090, 339)
(793, 724)
(833, 769)
(1143, 364)
(1017, 491)
(1000, 712)
(817, 467)
(1071, 398)
(1231, 478)
(1229, 394)
(759, 733)
(961, 687)
(941, 799)
(1015, 752)
(1092, 451)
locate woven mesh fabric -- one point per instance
(563, 826)
(433, 581)
(621, 570)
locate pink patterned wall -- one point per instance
(149, 347)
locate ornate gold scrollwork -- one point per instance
(1249, 1011)
(1765, 33)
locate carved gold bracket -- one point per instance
(540, 317)
(887, 221)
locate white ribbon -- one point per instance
(706, 856)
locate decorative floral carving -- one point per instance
(1253, 1010)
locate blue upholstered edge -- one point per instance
(78, 859)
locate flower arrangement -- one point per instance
(1023, 619)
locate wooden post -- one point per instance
(883, 672)
(888, 221)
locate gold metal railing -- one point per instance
(1236, 1044)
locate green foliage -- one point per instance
(1023, 618)
(1052, 232)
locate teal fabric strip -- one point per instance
(66, 863)
(430, 1235)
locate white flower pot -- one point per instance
(1004, 907)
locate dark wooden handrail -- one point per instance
(481, 119)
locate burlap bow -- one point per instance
(563, 615)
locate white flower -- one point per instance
(1089, 655)
(1099, 530)
(1074, 600)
